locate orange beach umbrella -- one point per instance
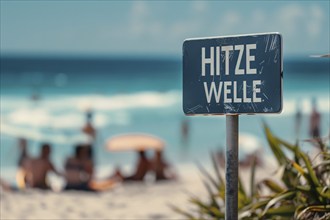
(134, 142)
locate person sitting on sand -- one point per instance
(79, 170)
(36, 169)
(161, 168)
(20, 175)
(142, 167)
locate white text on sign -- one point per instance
(229, 89)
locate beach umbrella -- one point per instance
(134, 142)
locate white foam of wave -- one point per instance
(130, 101)
(67, 112)
(41, 136)
(46, 118)
(97, 102)
(143, 100)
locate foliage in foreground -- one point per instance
(303, 192)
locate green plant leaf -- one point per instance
(241, 191)
(217, 213)
(272, 185)
(207, 209)
(211, 195)
(304, 188)
(252, 178)
(250, 209)
(324, 191)
(304, 157)
(274, 146)
(217, 171)
(207, 175)
(277, 199)
(285, 210)
(182, 212)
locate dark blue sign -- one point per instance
(233, 75)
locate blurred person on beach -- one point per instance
(22, 144)
(36, 169)
(90, 131)
(88, 128)
(314, 121)
(298, 120)
(20, 175)
(79, 169)
(161, 168)
(142, 167)
(185, 132)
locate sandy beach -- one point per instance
(137, 201)
(125, 201)
(147, 200)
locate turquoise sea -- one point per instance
(44, 99)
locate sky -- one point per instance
(156, 28)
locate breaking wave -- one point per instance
(67, 112)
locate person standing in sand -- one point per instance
(37, 169)
(298, 120)
(315, 119)
(185, 132)
(88, 128)
(90, 131)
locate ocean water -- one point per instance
(45, 100)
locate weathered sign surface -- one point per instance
(233, 74)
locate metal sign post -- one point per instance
(232, 167)
(232, 75)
